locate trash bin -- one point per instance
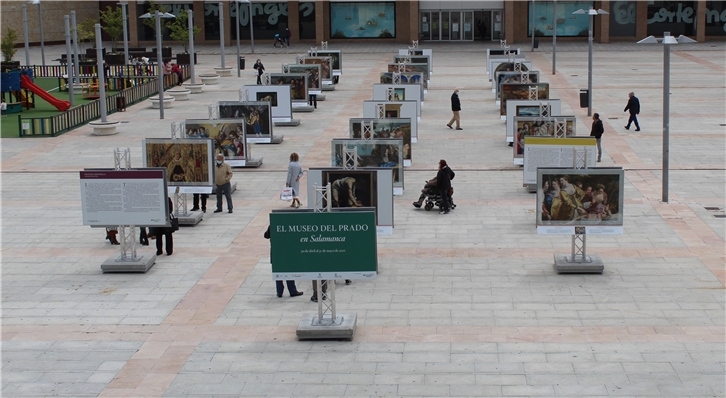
(584, 98)
(242, 63)
(536, 43)
(121, 103)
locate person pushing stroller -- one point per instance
(278, 40)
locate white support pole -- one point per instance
(101, 74)
(76, 65)
(27, 45)
(190, 26)
(124, 4)
(221, 32)
(67, 23)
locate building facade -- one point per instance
(398, 21)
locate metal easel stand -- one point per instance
(579, 262)
(327, 323)
(184, 216)
(129, 260)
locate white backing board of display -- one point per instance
(332, 54)
(555, 109)
(495, 62)
(407, 110)
(411, 92)
(421, 51)
(499, 53)
(281, 108)
(124, 197)
(548, 152)
(384, 190)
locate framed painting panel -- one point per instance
(336, 59)
(510, 77)
(520, 91)
(412, 68)
(527, 126)
(386, 153)
(313, 71)
(570, 198)
(280, 98)
(257, 117)
(297, 82)
(403, 109)
(385, 128)
(362, 20)
(531, 109)
(325, 66)
(228, 136)
(406, 78)
(188, 162)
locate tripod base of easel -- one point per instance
(142, 263)
(342, 329)
(592, 264)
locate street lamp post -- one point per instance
(667, 41)
(101, 73)
(236, 11)
(76, 66)
(221, 32)
(252, 33)
(25, 35)
(124, 4)
(533, 21)
(40, 21)
(554, 39)
(190, 26)
(71, 97)
(591, 12)
(160, 64)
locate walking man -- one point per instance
(634, 108)
(455, 107)
(596, 131)
(222, 178)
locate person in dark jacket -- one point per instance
(596, 131)
(166, 232)
(455, 107)
(634, 108)
(288, 35)
(290, 283)
(260, 70)
(443, 182)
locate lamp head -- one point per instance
(580, 11)
(34, 2)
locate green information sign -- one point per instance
(335, 245)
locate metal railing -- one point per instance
(80, 115)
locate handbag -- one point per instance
(174, 222)
(286, 193)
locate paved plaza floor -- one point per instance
(465, 304)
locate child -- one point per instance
(3, 108)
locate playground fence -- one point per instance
(80, 115)
(90, 70)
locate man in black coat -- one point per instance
(634, 108)
(443, 182)
(596, 131)
(455, 107)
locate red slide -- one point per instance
(25, 82)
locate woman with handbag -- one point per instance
(294, 173)
(166, 232)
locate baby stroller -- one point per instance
(278, 40)
(430, 195)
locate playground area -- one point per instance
(9, 127)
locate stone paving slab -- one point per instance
(465, 304)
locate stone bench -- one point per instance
(209, 79)
(155, 102)
(195, 88)
(104, 128)
(179, 93)
(224, 72)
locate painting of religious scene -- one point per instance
(269, 96)
(520, 91)
(373, 153)
(324, 63)
(336, 61)
(351, 188)
(538, 127)
(512, 77)
(580, 197)
(313, 72)
(385, 128)
(188, 162)
(406, 78)
(411, 68)
(228, 136)
(297, 82)
(256, 115)
(364, 20)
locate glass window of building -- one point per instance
(676, 17)
(267, 19)
(211, 21)
(622, 18)
(716, 18)
(146, 27)
(306, 16)
(567, 23)
(362, 20)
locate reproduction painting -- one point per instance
(538, 127)
(188, 162)
(297, 82)
(336, 63)
(406, 78)
(385, 128)
(507, 67)
(267, 96)
(580, 197)
(521, 91)
(256, 115)
(313, 72)
(412, 68)
(512, 77)
(386, 153)
(324, 63)
(352, 188)
(228, 136)
(529, 110)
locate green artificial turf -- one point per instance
(9, 127)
